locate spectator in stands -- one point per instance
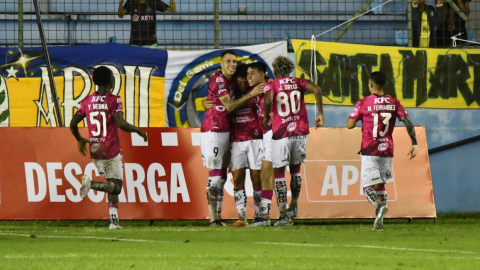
(426, 19)
(144, 20)
(454, 24)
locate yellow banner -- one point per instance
(419, 78)
(30, 99)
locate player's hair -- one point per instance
(283, 65)
(258, 66)
(102, 76)
(379, 78)
(242, 71)
(228, 52)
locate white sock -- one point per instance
(295, 187)
(220, 185)
(213, 179)
(257, 200)
(241, 203)
(113, 214)
(281, 193)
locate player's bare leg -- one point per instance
(295, 187)
(240, 196)
(281, 192)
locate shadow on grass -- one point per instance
(443, 218)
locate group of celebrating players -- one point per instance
(252, 122)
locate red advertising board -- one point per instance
(41, 170)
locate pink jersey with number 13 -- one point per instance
(378, 115)
(289, 112)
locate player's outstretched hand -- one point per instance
(319, 121)
(142, 134)
(413, 151)
(207, 105)
(258, 90)
(82, 146)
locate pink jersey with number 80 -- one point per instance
(102, 130)
(378, 115)
(289, 112)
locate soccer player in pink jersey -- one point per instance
(216, 131)
(378, 113)
(245, 147)
(257, 76)
(290, 129)
(104, 117)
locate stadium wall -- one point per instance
(87, 22)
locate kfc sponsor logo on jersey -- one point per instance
(287, 80)
(219, 80)
(222, 90)
(94, 147)
(98, 98)
(382, 100)
(383, 146)
(292, 126)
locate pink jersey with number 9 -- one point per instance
(289, 112)
(102, 130)
(378, 115)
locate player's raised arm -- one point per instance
(82, 142)
(232, 105)
(413, 137)
(127, 127)
(315, 89)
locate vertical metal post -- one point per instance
(216, 27)
(410, 27)
(20, 23)
(49, 66)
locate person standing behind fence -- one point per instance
(143, 19)
(425, 20)
(454, 24)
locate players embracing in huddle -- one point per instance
(278, 140)
(253, 137)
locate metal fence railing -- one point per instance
(196, 24)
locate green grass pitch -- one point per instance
(454, 243)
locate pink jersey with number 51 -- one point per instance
(102, 130)
(289, 112)
(378, 115)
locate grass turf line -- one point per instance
(332, 244)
